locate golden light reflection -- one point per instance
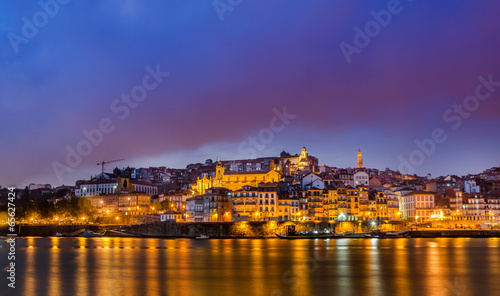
(257, 263)
(401, 267)
(54, 279)
(82, 283)
(29, 273)
(122, 266)
(375, 268)
(493, 262)
(433, 266)
(152, 269)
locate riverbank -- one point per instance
(267, 229)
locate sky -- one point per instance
(168, 83)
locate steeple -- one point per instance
(360, 159)
(303, 154)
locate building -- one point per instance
(112, 186)
(235, 180)
(361, 178)
(417, 205)
(219, 205)
(195, 209)
(440, 186)
(288, 208)
(345, 176)
(244, 203)
(267, 201)
(172, 216)
(311, 180)
(135, 203)
(177, 200)
(393, 212)
(471, 187)
(314, 204)
(293, 165)
(382, 213)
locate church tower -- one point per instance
(360, 159)
(219, 172)
(303, 154)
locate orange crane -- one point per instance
(106, 162)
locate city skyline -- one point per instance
(111, 165)
(211, 87)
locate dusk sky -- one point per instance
(229, 70)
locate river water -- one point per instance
(133, 266)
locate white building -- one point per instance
(470, 186)
(361, 178)
(417, 205)
(112, 186)
(312, 180)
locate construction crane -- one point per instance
(106, 162)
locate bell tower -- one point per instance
(303, 154)
(219, 171)
(360, 159)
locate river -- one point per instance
(133, 266)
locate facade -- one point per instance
(177, 200)
(471, 187)
(219, 205)
(361, 178)
(195, 209)
(345, 176)
(244, 203)
(113, 186)
(293, 165)
(235, 180)
(135, 203)
(393, 212)
(172, 216)
(288, 207)
(267, 202)
(312, 180)
(417, 206)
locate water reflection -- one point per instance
(131, 266)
